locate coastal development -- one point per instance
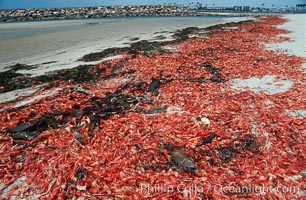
(134, 11)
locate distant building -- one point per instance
(300, 7)
(242, 8)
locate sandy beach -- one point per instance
(297, 26)
(67, 41)
(221, 108)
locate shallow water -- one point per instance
(14, 34)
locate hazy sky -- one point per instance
(9, 4)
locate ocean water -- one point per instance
(18, 33)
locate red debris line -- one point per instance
(122, 158)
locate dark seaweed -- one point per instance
(215, 74)
(118, 66)
(105, 53)
(248, 143)
(183, 34)
(19, 66)
(80, 173)
(10, 80)
(206, 140)
(155, 83)
(31, 129)
(9, 77)
(100, 108)
(226, 153)
(179, 159)
(79, 136)
(155, 110)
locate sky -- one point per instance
(13, 4)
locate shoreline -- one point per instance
(200, 14)
(134, 17)
(67, 46)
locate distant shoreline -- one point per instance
(50, 14)
(88, 20)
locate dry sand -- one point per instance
(296, 24)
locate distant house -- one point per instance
(242, 8)
(300, 7)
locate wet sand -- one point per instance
(64, 42)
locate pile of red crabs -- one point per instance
(167, 126)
